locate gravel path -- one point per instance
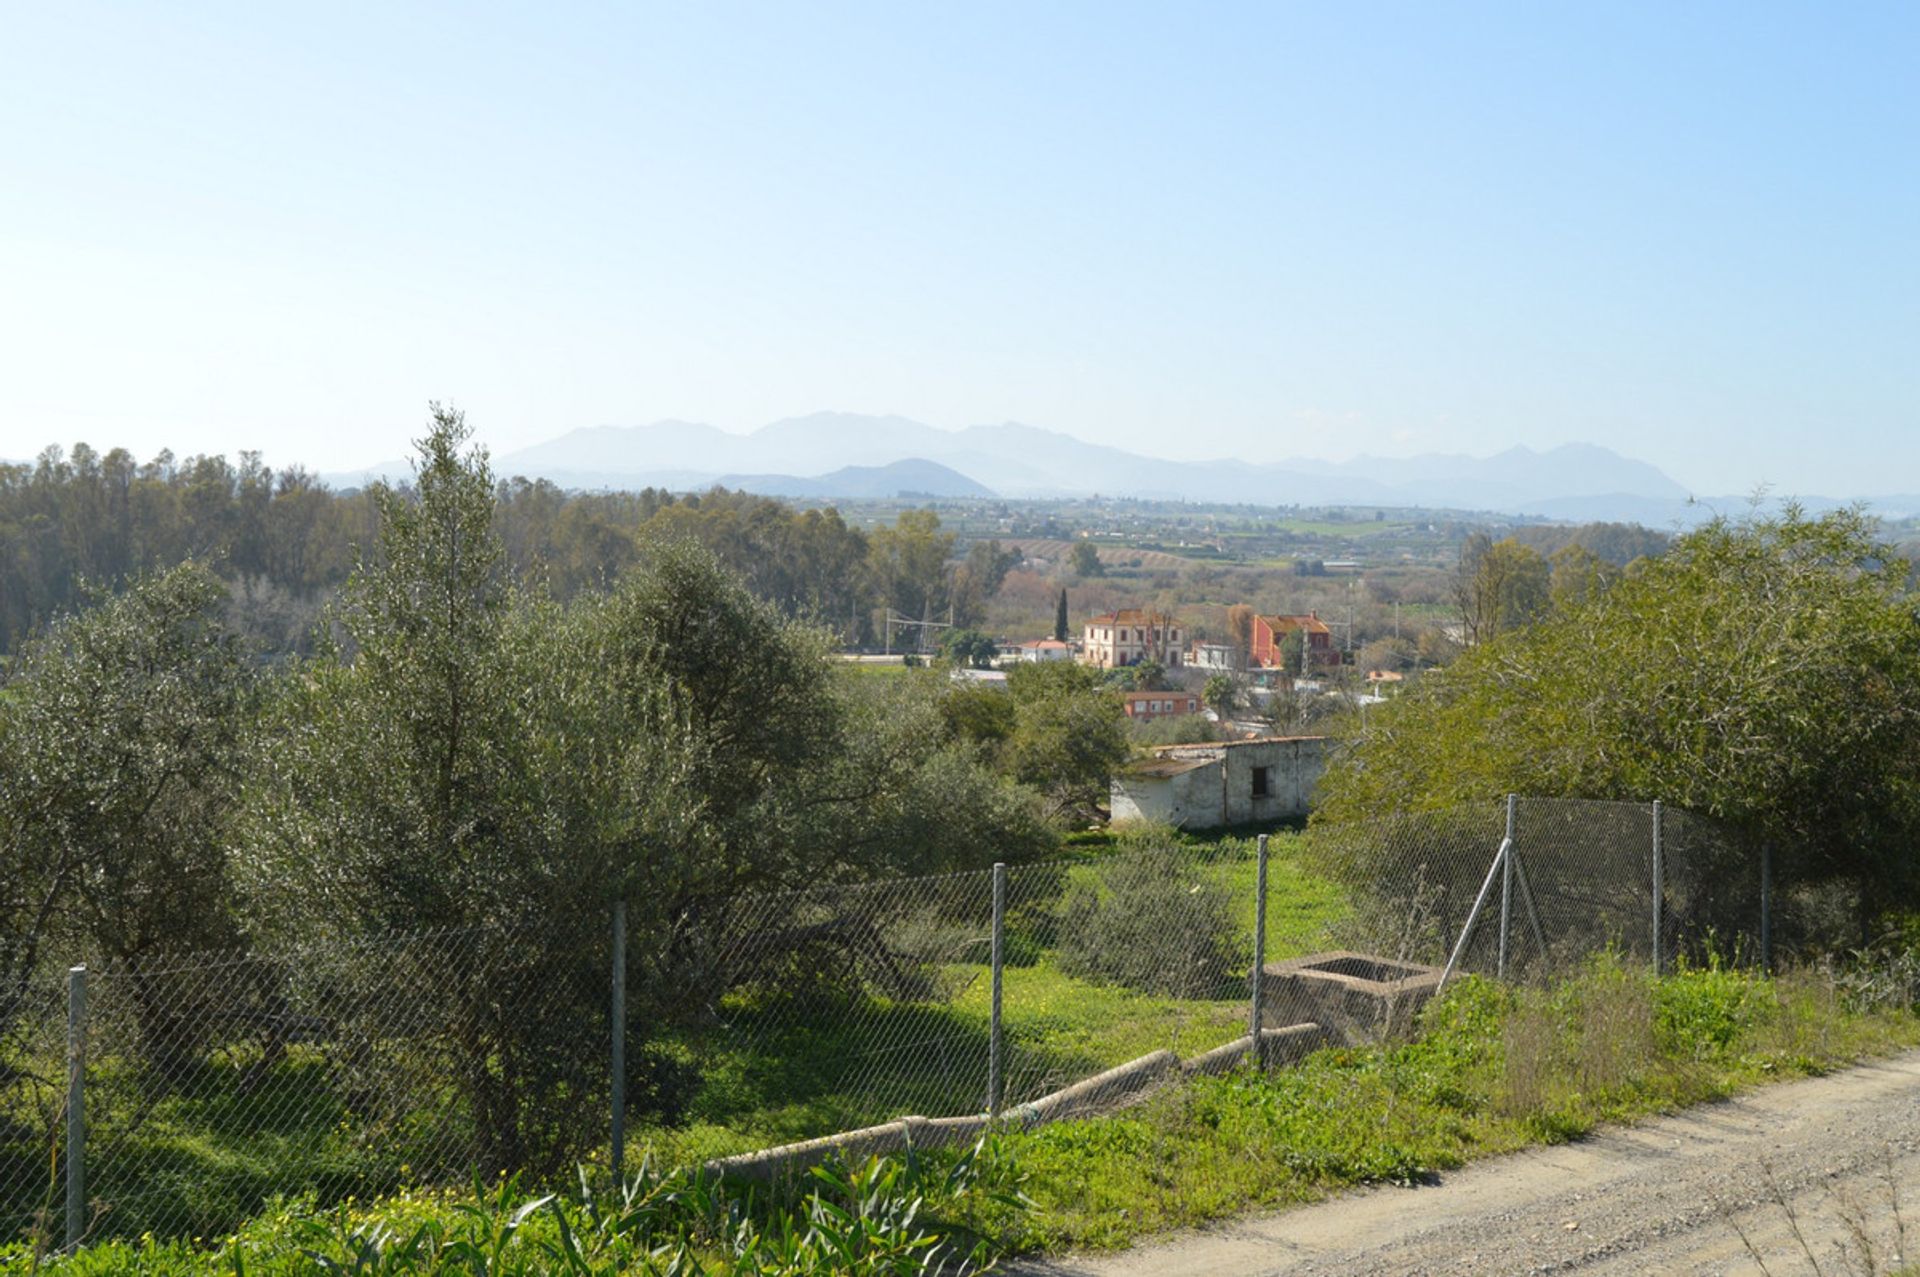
(1671, 1195)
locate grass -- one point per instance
(810, 1076)
(874, 669)
(1493, 1068)
(1350, 529)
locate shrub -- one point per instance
(1152, 922)
(1701, 1012)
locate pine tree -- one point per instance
(1060, 617)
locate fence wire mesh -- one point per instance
(836, 1008)
(216, 1081)
(213, 1082)
(1144, 950)
(33, 1089)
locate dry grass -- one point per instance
(1596, 1036)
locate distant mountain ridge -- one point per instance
(913, 477)
(830, 454)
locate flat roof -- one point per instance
(1165, 751)
(1164, 768)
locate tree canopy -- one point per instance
(121, 732)
(1765, 672)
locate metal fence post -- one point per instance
(76, 1105)
(618, 1016)
(1473, 916)
(1659, 890)
(995, 1081)
(1506, 886)
(1255, 976)
(1766, 908)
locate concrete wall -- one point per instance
(1188, 800)
(1221, 792)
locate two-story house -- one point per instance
(1130, 636)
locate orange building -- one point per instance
(1270, 634)
(1144, 707)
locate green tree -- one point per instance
(494, 762)
(1069, 735)
(1765, 672)
(1434, 647)
(1185, 729)
(419, 779)
(1240, 631)
(1293, 652)
(1292, 712)
(1387, 653)
(987, 565)
(1144, 924)
(1085, 560)
(422, 718)
(909, 560)
(1500, 586)
(970, 648)
(1060, 617)
(1221, 695)
(985, 717)
(1578, 574)
(121, 733)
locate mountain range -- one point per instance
(848, 455)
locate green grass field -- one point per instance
(840, 1066)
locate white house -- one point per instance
(1224, 783)
(1130, 636)
(1215, 656)
(1035, 652)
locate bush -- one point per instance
(1701, 1012)
(1655, 687)
(1152, 922)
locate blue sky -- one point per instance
(1687, 232)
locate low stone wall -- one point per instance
(1279, 1046)
(1090, 1095)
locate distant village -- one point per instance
(1291, 654)
(1241, 762)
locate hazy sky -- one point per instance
(1691, 232)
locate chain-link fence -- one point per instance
(212, 1082)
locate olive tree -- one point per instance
(121, 733)
(489, 764)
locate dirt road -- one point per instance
(1669, 1196)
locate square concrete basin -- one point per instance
(1358, 997)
